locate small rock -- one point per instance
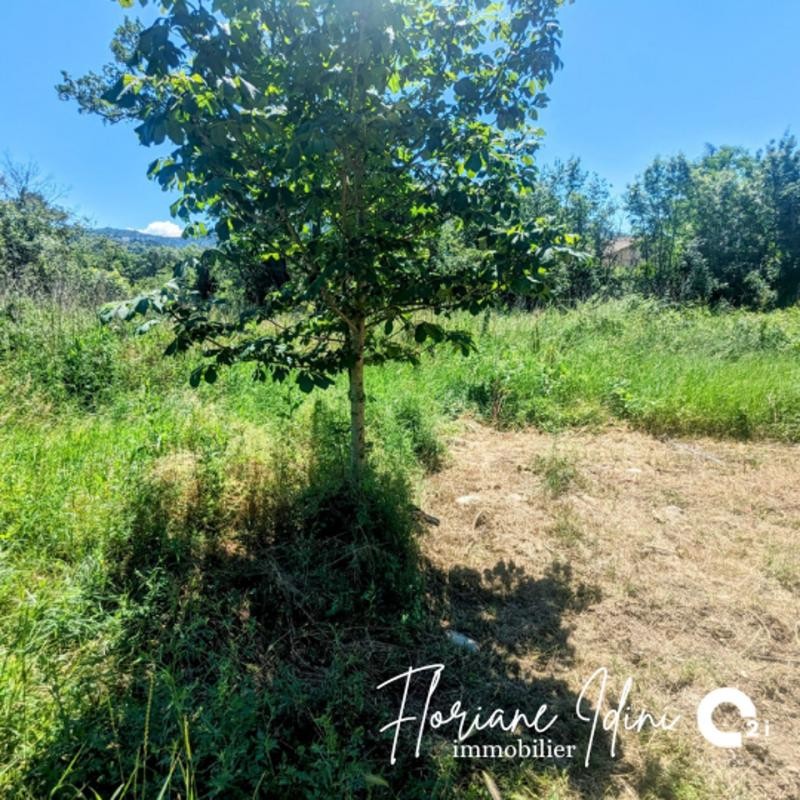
(468, 499)
(460, 640)
(668, 514)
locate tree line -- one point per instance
(723, 228)
(48, 254)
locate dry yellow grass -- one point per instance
(685, 557)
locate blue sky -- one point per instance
(640, 77)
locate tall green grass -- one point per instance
(666, 370)
(662, 370)
(180, 570)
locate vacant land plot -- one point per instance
(189, 556)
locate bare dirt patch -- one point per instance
(681, 560)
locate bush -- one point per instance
(67, 356)
(90, 366)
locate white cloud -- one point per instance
(168, 229)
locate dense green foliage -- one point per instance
(581, 203)
(48, 255)
(659, 368)
(723, 228)
(330, 143)
(42, 251)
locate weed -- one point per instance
(558, 471)
(426, 445)
(566, 527)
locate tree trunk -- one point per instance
(358, 398)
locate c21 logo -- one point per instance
(747, 710)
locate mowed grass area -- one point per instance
(673, 562)
(165, 609)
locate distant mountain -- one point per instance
(141, 240)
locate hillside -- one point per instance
(132, 237)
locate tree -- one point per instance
(46, 253)
(658, 206)
(31, 222)
(581, 203)
(724, 227)
(781, 178)
(731, 224)
(36, 235)
(333, 139)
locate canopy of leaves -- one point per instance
(329, 142)
(582, 203)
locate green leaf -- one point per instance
(467, 89)
(146, 326)
(305, 382)
(474, 163)
(293, 156)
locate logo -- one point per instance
(747, 711)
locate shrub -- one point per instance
(90, 365)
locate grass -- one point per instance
(566, 527)
(784, 567)
(180, 570)
(558, 472)
(664, 371)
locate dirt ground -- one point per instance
(681, 560)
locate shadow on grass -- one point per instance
(518, 622)
(255, 627)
